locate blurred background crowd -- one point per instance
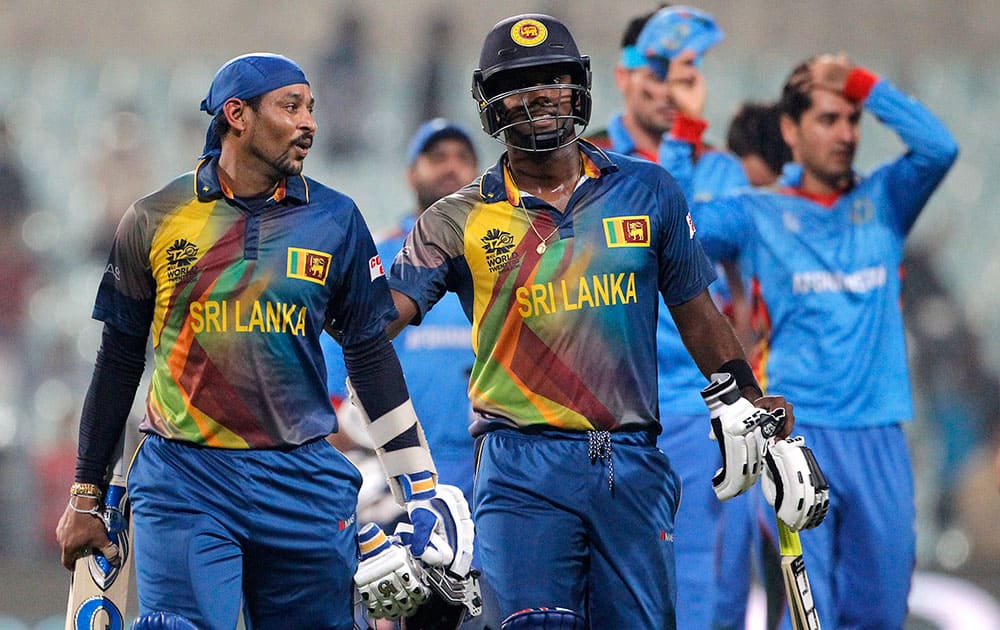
(99, 105)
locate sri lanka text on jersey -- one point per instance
(257, 317)
(609, 289)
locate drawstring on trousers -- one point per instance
(599, 447)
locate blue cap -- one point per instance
(432, 131)
(674, 29)
(245, 77)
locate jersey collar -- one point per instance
(208, 187)
(496, 184)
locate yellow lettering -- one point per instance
(601, 290)
(538, 299)
(552, 297)
(195, 311)
(265, 317)
(256, 318)
(213, 316)
(273, 317)
(630, 294)
(617, 296)
(521, 295)
(567, 302)
(584, 296)
(300, 327)
(240, 326)
(287, 312)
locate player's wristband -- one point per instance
(419, 486)
(89, 490)
(688, 128)
(859, 83)
(743, 374)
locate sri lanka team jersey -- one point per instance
(829, 276)
(712, 174)
(563, 335)
(236, 300)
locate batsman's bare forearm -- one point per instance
(407, 309)
(712, 343)
(707, 334)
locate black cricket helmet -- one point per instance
(522, 57)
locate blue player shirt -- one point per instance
(829, 276)
(714, 173)
(437, 359)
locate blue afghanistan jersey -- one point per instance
(564, 335)
(437, 359)
(712, 174)
(237, 299)
(829, 276)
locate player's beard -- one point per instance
(282, 165)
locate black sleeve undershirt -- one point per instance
(377, 377)
(117, 371)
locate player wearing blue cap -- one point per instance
(237, 267)
(826, 248)
(436, 356)
(664, 98)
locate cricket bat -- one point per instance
(801, 607)
(99, 589)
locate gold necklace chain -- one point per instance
(542, 246)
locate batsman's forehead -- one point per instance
(251, 75)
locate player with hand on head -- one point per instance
(563, 253)
(237, 267)
(825, 247)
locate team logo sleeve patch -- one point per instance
(308, 264)
(630, 231)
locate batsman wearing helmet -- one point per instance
(560, 254)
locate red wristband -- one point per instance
(859, 84)
(688, 129)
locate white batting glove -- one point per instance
(736, 425)
(430, 508)
(457, 530)
(794, 484)
(391, 582)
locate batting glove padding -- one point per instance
(390, 580)
(736, 425)
(794, 484)
(442, 532)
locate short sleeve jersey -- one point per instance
(712, 174)
(564, 335)
(236, 299)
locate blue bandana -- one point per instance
(672, 30)
(245, 77)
